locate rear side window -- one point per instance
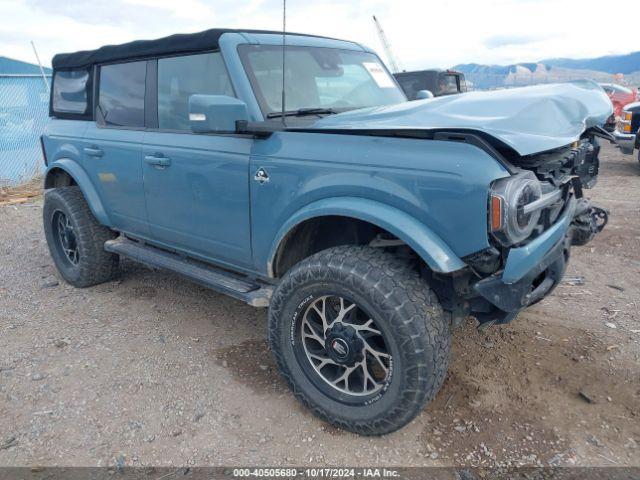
(447, 84)
(181, 77)
(121, 94)
(410, 85)
(69, 94)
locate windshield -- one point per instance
(318, 78)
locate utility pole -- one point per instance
(393, 62)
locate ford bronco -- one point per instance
(369, 225)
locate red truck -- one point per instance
(620, 96)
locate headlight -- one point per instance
(511, 216)
(624, 124)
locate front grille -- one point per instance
(560, 169)
(580, 158)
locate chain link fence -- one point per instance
(24, 111)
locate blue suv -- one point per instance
(290, 172)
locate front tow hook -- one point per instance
(587, 221)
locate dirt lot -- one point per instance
(153, 370)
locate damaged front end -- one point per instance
(533, 270)
(535, 216)
(546, 138)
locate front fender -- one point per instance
(84, 182)
(431, 248)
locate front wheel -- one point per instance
(360, 338)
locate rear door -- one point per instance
(197, 185)
(112, 155)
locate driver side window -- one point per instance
(181, 77)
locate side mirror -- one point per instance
(424, 94)
(216, 113)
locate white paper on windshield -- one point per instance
(379, 74)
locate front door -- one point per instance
(196, 186)
(197, 194)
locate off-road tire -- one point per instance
(95, 265)
(392, 292)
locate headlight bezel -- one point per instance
(508, 222)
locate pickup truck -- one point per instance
(290, 172)
(620, 97)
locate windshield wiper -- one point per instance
(301, 112)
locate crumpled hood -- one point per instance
(528, 119)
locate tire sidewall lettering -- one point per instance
(302, 306)
(384, 389)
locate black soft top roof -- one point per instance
(174, 44)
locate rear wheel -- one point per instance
(360, 338)
(76, 239)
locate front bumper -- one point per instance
(533, 271)
(626, 141)
(536, 284)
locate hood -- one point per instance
(632, 107)
(528, 119)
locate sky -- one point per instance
(422, 33)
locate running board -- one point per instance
(255, 294)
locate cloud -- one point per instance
(96, 12)
(497, 41)
(422, 34)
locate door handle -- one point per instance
(93, 151)
(157, 161)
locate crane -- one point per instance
(393, 61)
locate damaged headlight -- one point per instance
(513, 207)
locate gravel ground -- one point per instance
(153, 370)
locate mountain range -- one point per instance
(612, 64)
(627, 63)
(600, 69)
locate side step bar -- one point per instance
(255, 294)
